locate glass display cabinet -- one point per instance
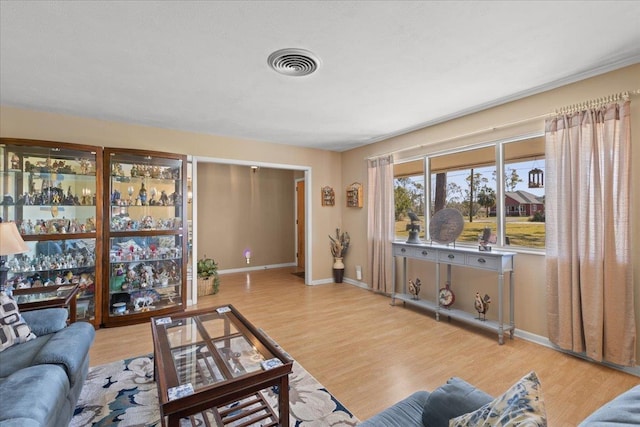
(49, 189)
(146, 235)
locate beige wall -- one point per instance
(338, 170)
(239, 210)
(522, 117)
(324, 165)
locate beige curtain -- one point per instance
(588, 229)
(380, 230)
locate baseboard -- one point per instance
(544, 341)
(357, 283)
(321, 282)
(256, 267)
(344, 280)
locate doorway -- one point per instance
(303, 238)
(300, 224)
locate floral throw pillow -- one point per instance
(522, 405)
(13, 329)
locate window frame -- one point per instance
(501, 210)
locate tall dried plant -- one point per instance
(339, 244)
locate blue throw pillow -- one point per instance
(456, 397)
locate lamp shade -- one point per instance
(10, 239)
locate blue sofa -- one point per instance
(457, 397)
(41, 379)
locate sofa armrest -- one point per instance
(406, 413)
(624, 410)
(46, 321)
(456, 397)
(68, 348)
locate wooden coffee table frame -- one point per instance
(51, 298)
(224, 392)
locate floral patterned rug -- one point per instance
(124, 393)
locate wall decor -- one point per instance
(328, 196)
(354, 195)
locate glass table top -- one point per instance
(212, 347)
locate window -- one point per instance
(408, 191)
(467, 180)
(524, 200)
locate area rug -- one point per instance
(123, 393)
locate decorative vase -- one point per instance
(338, 270)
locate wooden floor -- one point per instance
(370, 354)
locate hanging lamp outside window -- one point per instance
(536, 178)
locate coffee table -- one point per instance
(210, 366)
(40, 297)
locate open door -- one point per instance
(300, 225)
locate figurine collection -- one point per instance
(141, 271)
(56, 226)
(144, 276)
(125, 223)
(149, 171)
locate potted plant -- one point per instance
(208, 278)
(339, 247)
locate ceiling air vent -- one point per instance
(293, 62)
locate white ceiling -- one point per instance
(387, 67)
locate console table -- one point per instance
(499, 261)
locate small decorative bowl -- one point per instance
(119, 307)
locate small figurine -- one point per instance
(68, 277)
(482, 305)
(15, 162)
(142, 194)
(414, 288)
(164, 199)
(85, 166)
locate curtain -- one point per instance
(380, 229)
(588, 233)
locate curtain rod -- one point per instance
(597, 102)
(453, 138)
(594, 102)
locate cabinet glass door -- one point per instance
(50, 191)
(145, 274)
(145, 235)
